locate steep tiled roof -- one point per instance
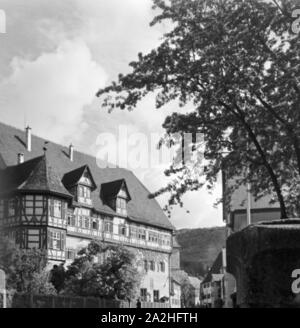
(33, 175)
(141, 208)
(72, 178)
(111, 189)
(215, 269)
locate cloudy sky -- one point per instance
(56, 54)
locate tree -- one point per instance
(40, 284)
(187, 293)
(114, 277)
(237, 62)
(24, 268)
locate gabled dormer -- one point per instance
(80, 183)
(115, 194)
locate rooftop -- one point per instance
(141, 209)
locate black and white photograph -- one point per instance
(149, 157)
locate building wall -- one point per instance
(155, 246)
(175, 298)
(175, 259)
(235, 207)
(239, 218)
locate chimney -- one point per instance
(28, 138)
(20, 158)
(71, 152)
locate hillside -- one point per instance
(200, 247)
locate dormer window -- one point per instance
(80, 183)
(84, 192)
(115, 194)
(121, 206)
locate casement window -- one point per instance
(122, 230)
(71, 220)
(144, 294)
(84, 192)
(156, 295)
(153, 237)
(121, 206)
(95, 225)
(133, 232)
(33, 238)
(108, 227)
(152, 265)
(162, 266)
(57, 208)
(165, 240)
(56, 240)
(34, 204)
(87, 223)
(142, 234)
(80, 221)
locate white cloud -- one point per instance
(52, 90)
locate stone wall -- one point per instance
(262, 258)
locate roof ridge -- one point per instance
(47, 171)
(146, 210)
(60, 145)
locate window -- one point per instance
(144, 294)
(84, 192)
(142, 234)
(34, 204)
(33, 238)
(95, 225)
(162, 266)
(152, 265)
(145, 265)
(56, 240)
(71, 221)
(57, 208)
(153, 237)
(87, 223)
(121, 206)
(156, 295)
(133, 232)
(122, 230)
(108, 226)
(165, 240)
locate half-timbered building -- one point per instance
(58, 199)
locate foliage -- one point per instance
(103, 270)
(237, 63)
(40, 284)
(187, 293)
(199, 248)
(23, 267)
